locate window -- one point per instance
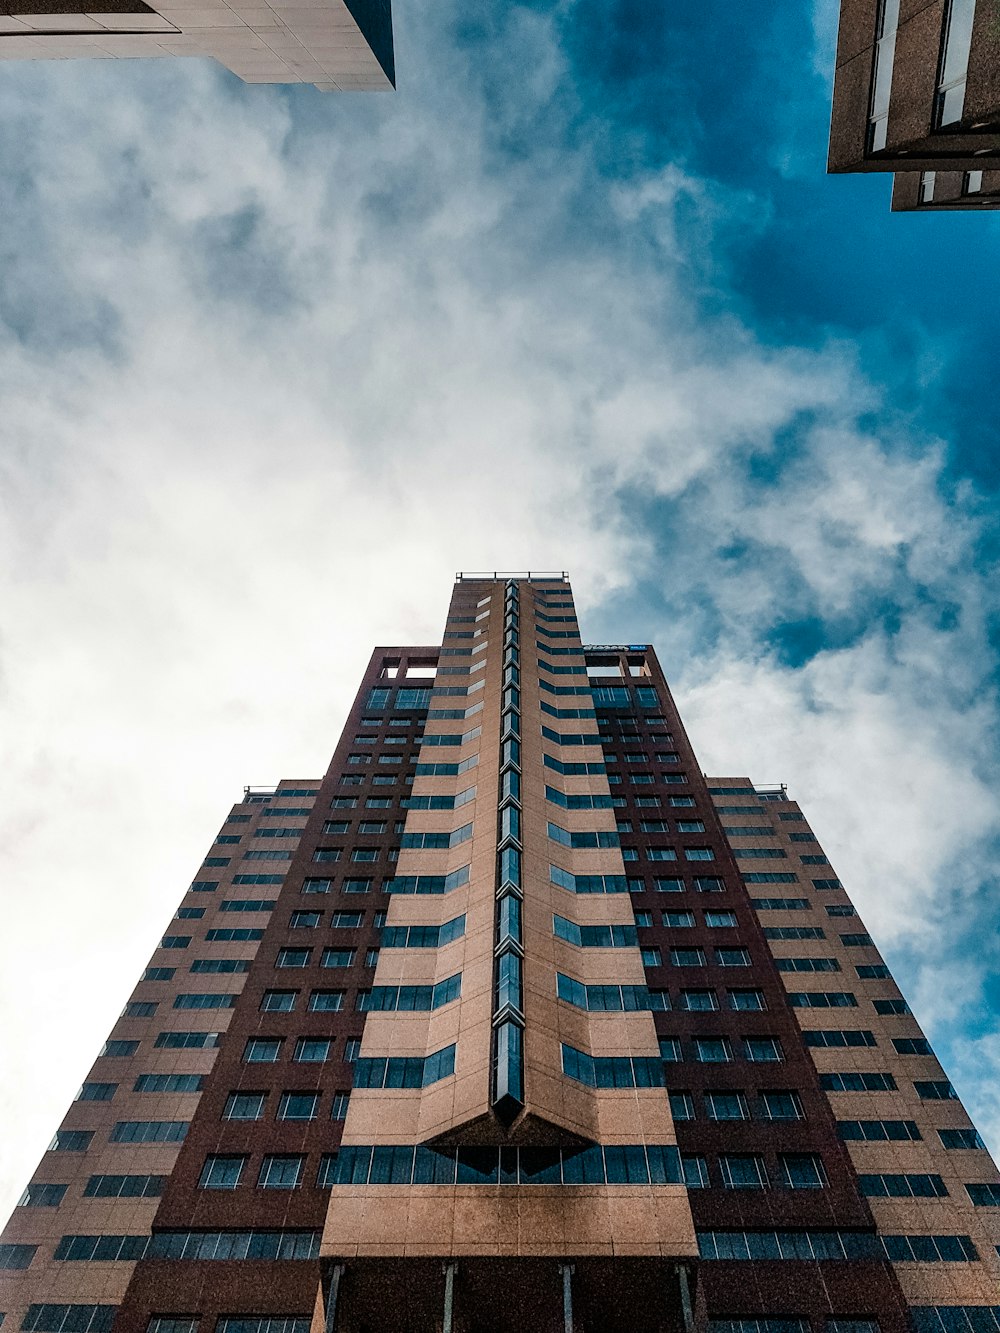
(682, 801)
(139, 1009)
(281, 1171)
(747, 1001)
(960, 1138)
(159, 974)
(298, 1106)
(184, 1041)
(71, 1140)
(929, 1249)
(726, 1106)
(124, 1187)
(338, 957)
(699, 1001)
(338, 1107)
(63, 1318)
(16, 1257)
(820, 999)
(692, 826)
(763, 1050)
(917, 1186)
(651, 957)
(670, 1049)
(708, 884)
(262, 1050)
(874, 972)
(213, 1000)
(699, 854)
(278, 1001)
(856, 941)
(852, 1082)
(695, 1171)
(357, 885)
(912, 1046)
(352, 1049)
(678, 920)
(96, 1092)
(743, 1171)
(312, 1050)
(712, 1050)
(305, 920)
(347, 920)
(681, 1106)
(890, 1006)
(221, 1172)
(935, 1090)
(732, 957)
(149, 1131)
(807, 965)
(794, 933)
(781, 1104)
(220, 965)
(720, 920)
(669, 885)
(840, 909)
(326, 1001)
(168, 1083)
(244, 1106)
(687, 957)
(293, 958)
(801, 1171)
(39, 1195)
(983, 1196)
(644, 919)
(649, 826)
(833, 1038)
(189, 913)
(878, 1131)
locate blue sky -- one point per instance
(276, 363)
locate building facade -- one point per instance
(512, 1020)
(336, 45)
(917, 91)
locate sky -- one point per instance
(274, 364)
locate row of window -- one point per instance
(640, 1164)
(719, 1050)
(216, 1245)
(291, 1106)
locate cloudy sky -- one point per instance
(275, 363)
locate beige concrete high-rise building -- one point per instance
(917, 93)
(513, 1020)
(336, 45)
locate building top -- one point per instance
(336, 45)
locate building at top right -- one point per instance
(917, 93)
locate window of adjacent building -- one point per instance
(221, 1171)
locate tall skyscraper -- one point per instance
(917, 92)
(337, 45)
(514, 1020)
